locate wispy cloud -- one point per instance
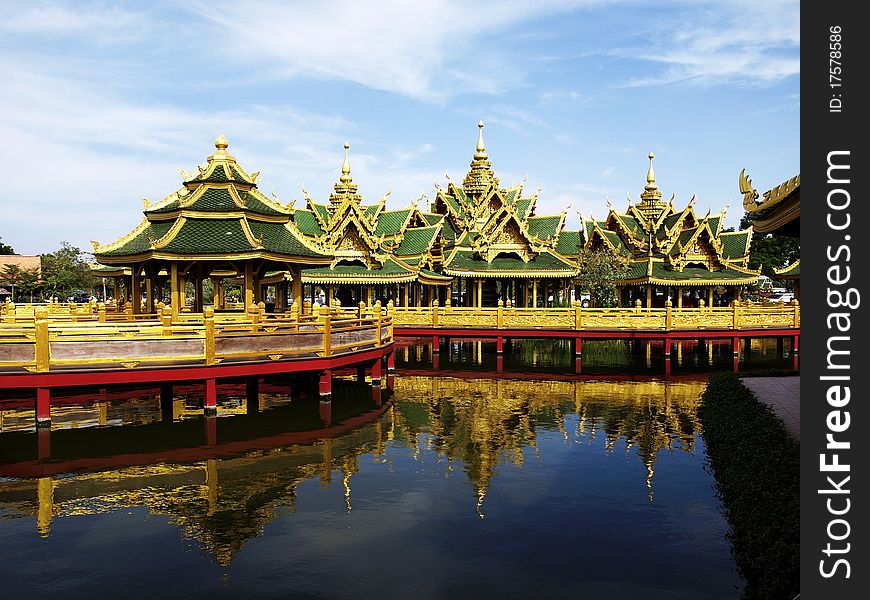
(741, 41)
(428, 50)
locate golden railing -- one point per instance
(736, 316)
(45, 342)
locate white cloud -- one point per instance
(724, 42)
(428, 49)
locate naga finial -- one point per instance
(750, 195)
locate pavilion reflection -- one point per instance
(225, 497)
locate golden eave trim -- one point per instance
(248, 255)
(142, 226)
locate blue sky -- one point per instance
(104, 102)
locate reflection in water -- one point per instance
(527, 484)
(477, 425)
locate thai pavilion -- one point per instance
(377, 254)
(218, 225)
(478, 243)
(673, 254)
(495, 246)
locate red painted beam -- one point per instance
(605, 334)
(167, 374)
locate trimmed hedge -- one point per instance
(756, 463)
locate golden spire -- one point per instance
(220, 143)
(480, 177)
(345, 166)
(651, 185)
(481, 148)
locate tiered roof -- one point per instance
(370, 244)
(217, 214)
(491, 231)
(666, 246)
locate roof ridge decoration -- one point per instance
(480, 176)
(349, 233)
(651, 205)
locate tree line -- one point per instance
(63, 272)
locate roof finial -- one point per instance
(481, 148)
(651, 175)
(345, 166)
(221, 142)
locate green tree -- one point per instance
(29, 282)
(599, 272)
(11, 276)
(6, 249)
(65, 271)
(771, 251)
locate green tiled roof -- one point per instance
(688, 275)
(713, 222)
(215, 200)
(209, 236)
(218, 175)
(467, 238)
(614, 239)
(543, 264)
(307, 222)
(544, 228)
(431, 219)
(322, 210)
(684, 237)
(141, 243)
(256, 202)
(522, 207)
(391, 221)
(569, 242)
(416, 240)
(734, 243)
(277, 238)
(371, 211)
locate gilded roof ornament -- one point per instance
(481, 148)
(345, 166)
(750, 195)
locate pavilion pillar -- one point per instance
(407, 289)
(296, 290)
(174, 291)
(149, 292)
(182, 290)
(197, 290)
(649, 289)
(136, 290)
(249, 286)
(679, 297)
(534, 293)
(710, 297)
(479, 293)
(116, 291)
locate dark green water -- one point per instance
(464, 482)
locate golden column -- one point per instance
(249, 285)
(174, 295)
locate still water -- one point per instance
(545, 485)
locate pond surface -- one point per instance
(539, 484)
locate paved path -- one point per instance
(783, 395)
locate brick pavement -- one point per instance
(783, 395)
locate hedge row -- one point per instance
(756, 463)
